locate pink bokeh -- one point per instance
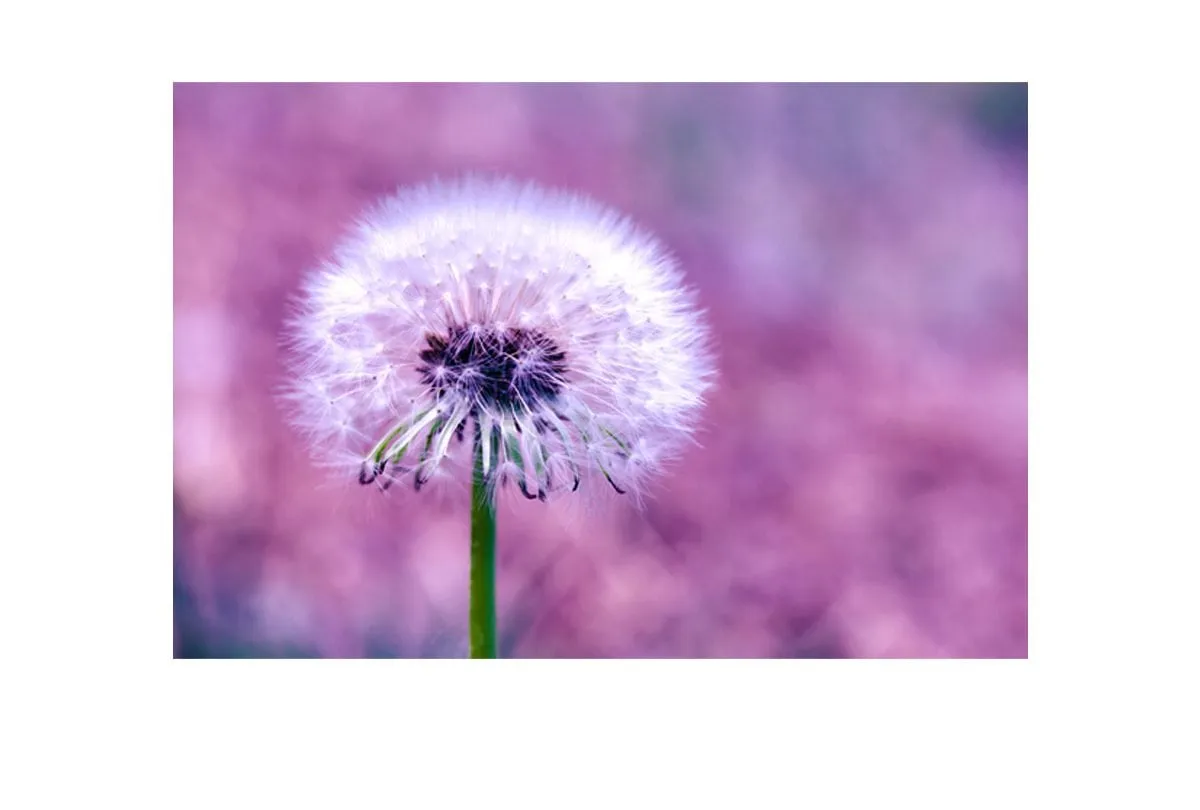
(859, 488)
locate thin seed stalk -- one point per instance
(483, 560)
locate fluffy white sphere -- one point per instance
(538, 323)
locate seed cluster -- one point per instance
(547, 327)
(507, 369)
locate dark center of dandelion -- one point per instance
(511, 369)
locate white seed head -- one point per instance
(538, 323)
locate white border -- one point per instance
(97, 712)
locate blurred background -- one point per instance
(860, 488)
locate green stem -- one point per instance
(483, 561)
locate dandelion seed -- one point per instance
(535, 318)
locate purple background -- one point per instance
(860, 490)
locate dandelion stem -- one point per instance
(483, 560)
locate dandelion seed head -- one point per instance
(538, 323)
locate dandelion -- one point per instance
(533, 337)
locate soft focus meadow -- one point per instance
(859, 484)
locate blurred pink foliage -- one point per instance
(860, 485)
